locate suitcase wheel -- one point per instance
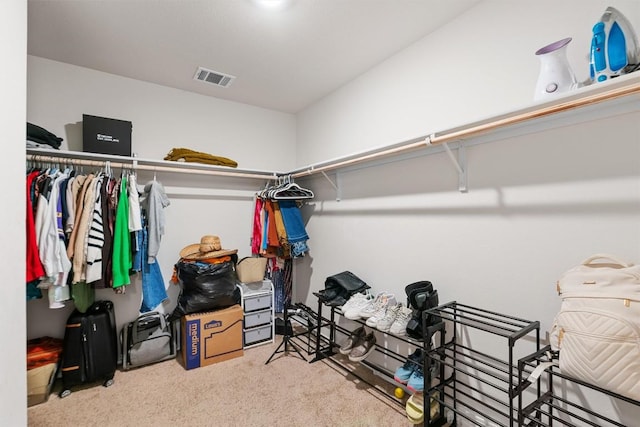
(108, 382)
(65, 393)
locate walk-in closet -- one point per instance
(346, 148)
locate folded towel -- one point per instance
(187, 155)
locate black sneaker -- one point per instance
(356, 336)
(363, 349)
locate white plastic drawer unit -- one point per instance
(258, 306)
(257, 318)
(255, 335)
(258, 302)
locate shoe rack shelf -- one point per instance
(325, 349)
(552, 406)
(476, 351)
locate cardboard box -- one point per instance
(211, 336)
(39, 383)
(106, 136)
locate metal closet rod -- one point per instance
(470, 131)
(135, 166)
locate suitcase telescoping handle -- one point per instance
(608, 258)
(134, 329)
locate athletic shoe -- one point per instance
(372, 305)
(384, 324)
(351, 310)
(352, 340)
(416, 380)
(363, 349)
(403, 373)
(387, 301)
(399, 326)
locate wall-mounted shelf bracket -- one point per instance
(337, 186)
(459, 163)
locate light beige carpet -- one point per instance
(238, 392)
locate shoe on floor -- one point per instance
(415, 408)
(403, 373)
(363, 348)
(351, 310)
(399, 326)
(384, 324)
(356, 336)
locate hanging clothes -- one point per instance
(82, 231)
(82, 228)
(109, 204)
(49, 238)
(281, 231)
(81, 189)
(278, 232)
(294, 225)
(154, 291)
(122, 259)
(153, 202)
(256, 235)
(35, 269)
(95, 236)
(272, 233)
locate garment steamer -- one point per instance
(614, 47)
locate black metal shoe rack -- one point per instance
(325, 349)
(477, 385)
(553, 407)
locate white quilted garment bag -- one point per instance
(598, 327)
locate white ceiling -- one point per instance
(283, 59)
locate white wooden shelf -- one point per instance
(613, 97)
(136, 163)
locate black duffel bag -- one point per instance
(205, 287)
(339, 288)
(148, 339)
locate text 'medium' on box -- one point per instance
(212, 336)
(106, 136)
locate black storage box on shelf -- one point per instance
(106, 136)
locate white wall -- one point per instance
(163, 118)
(480, 65)
(537, 204)
(13, 398)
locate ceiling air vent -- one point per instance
(214, 77)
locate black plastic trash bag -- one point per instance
(205, 287)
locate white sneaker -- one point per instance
(387, 301)
(389, 317)
(399, 326)
(371, 307)
(357, 299)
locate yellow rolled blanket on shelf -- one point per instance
(187, 155)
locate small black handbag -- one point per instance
(339, 288)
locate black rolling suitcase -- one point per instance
(90, 351)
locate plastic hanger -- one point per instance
(291, 191)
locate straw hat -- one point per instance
(209, 247)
